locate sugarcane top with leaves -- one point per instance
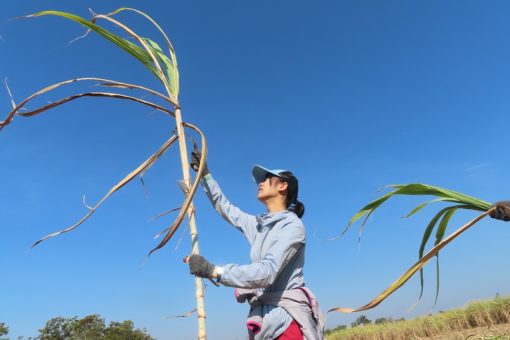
(499, 210)
(277, 240)
(162, 65)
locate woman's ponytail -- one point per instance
(297, 208)
(293, 204)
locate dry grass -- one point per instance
(448, 325)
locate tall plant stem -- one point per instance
(199, 286)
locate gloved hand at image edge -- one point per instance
(195, 160)
(502, 211)
(200, 267)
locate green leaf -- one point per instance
(425, 189)
(439, 237)
(462, 201)
(426, 236)
(131, 48)
(444, 223)
(424, 204)
(418, 189)
(171, 50)
(367, 210)
(170, 70)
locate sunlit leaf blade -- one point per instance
(418, 189)
(170, 46)
(131, 48)
(174, 74)
(441, 230)
(426, 236)
(116, 187)
(424, 204)
(425, 189)
(168, 68)
(367, 210)
(411, 271)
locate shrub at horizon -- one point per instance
(91, 327)
(4, 330)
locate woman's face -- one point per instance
(271, 187)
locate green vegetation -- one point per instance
(477, 314)
(90, 327)
(362, 320)
(3, 329)
(457, 201)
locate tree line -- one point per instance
(362, 320)
(91, 327)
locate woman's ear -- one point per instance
(283, 186)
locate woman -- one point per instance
(281, 307)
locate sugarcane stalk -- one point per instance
(164, 67)
(199, 286)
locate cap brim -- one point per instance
(259, 173)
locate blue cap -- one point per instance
(260, 173)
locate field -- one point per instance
(483, 320)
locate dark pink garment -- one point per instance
(293, 332)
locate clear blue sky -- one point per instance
(349, 95)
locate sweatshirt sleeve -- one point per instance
(244, 222)
(261, 274)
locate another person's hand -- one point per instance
(195, 160)
(200, 267)
(502, 211)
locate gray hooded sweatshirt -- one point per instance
(277, 255)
